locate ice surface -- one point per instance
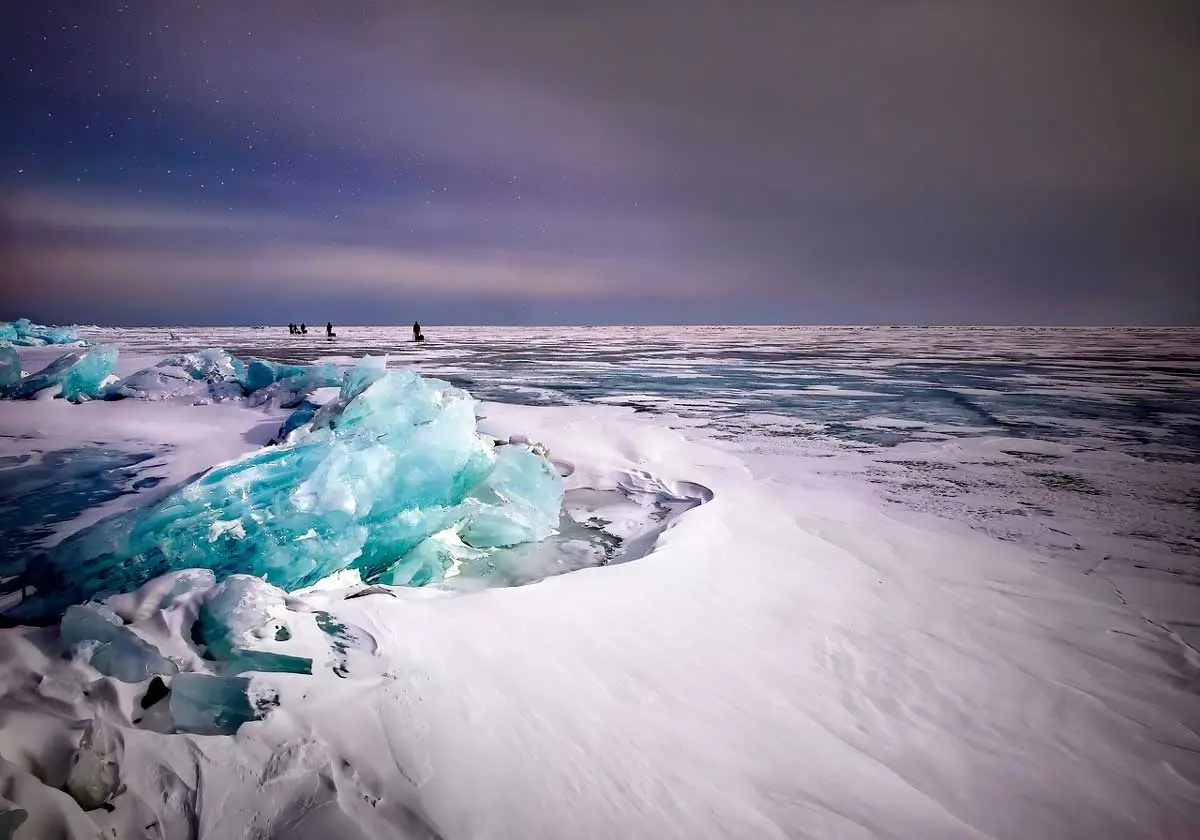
(795, 659)
(81, 374)
(118, 651)
(393, 461)
(24, 333)
(204, 704)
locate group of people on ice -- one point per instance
(302, 329)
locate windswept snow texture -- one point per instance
(393, 461)
(24, 333)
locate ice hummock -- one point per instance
(25, 333)
(393, 461)
(81, 374)
(206, 375)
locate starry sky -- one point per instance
(565, 162)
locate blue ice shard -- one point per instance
(301, 416)
(209, 705)
(80, 373)
(394, 460)
(85, 380)
(286, 386)
(518, 502)
(260, 374)
(10, 371)
(118, 651)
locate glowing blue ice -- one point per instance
(25, 333)
(391, 462)
(80, 373)
(85, 380)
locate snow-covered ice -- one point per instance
(728, 634)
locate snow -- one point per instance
(779, 655)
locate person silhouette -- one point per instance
(292, 329)
(329, 329)
(417, 331)
(303, 328)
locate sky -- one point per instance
(543, 162)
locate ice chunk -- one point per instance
(119, 652)
(209, 375)
(160, 593)
(518, 502)
(260, 374)
(288, 391)
(95, 773)
(10, 371)
(80, 373)
(208, 705)
(441, 556)
(241, 609)
(302, 416)
(25, 333)
(85, 380)
(394, 461)
(244, 661)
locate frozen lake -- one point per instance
(1080, 443)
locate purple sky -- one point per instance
(682, 161)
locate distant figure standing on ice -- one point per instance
(303, 329)
(417, 331)
(329, 333)
(292, 329)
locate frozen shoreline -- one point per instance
(790, 660)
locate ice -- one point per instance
(80, 373)
(260, 374)
(213, 375)
(301, 416)
(85, 380)
(10, 371)
(240, 609)
(24, 333)
(394, 460)
(518, 502)
(208, 375)
(160, 593)
(118, 652)
(95, 774)
(204, 704)
(245, 661)
(286, 386)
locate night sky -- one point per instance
(678, 161)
